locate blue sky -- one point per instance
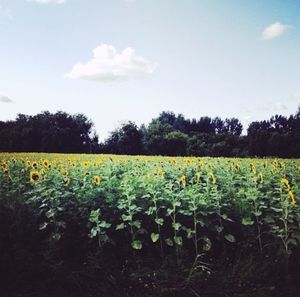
(118, 60)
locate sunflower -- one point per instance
(67, 181)
(160, 172)
(182, 180)
(96, 180)
(212, 177)
(4, 165)
(201, 164)
(64, 171)
(291, 194)
(237, 167)
(198, 175)
(260, 178)
(253, 168)
(34, 176)
(286, 184)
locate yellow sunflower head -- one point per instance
(182, 180)
(34, 176)
(286, 184)
(67, 181)
(160, 172)
(260, 178)
(253, 168)
(97, 180)
(212, 178)
(292, 196)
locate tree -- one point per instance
(47, 132)
(125, 140)
(233, 126)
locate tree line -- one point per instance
(168, 134)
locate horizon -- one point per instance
(121, 123)
(132, 59)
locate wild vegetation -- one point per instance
(112, 225)
(167, 135)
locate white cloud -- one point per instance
(108, 65)
(5, 99)
(48, 1)
(274, 30)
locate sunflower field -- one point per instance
(71, 217)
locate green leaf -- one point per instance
(292, 241)
(178, 240)
(207, 244)
(189, 232)
(151, 210)
(159, 221)
(56, 236)
(50, 213)
(257, 213)
(269, 220)
(177, 203)
(126, 218)
(247, 221)
(120, 226)
(132, 207)
(276, 209)
(94, 232)
(176, 226)
(154, 237)
(136, 244)
(94, 215)
(170, 211)
(224, 216)
(219, 228)
(137, 224)
(169, 242)
(104, 224)
(230, 237)
(43, 226)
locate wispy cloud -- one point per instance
(295, 97)
(128, 2)
(6, 11)
(5, 99)
(274, 30)
(48, 1)
(108, 65)
(269, 107)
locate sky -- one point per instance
(120, 60)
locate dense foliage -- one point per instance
(168, 135)
(74, 218)
(47, 132)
